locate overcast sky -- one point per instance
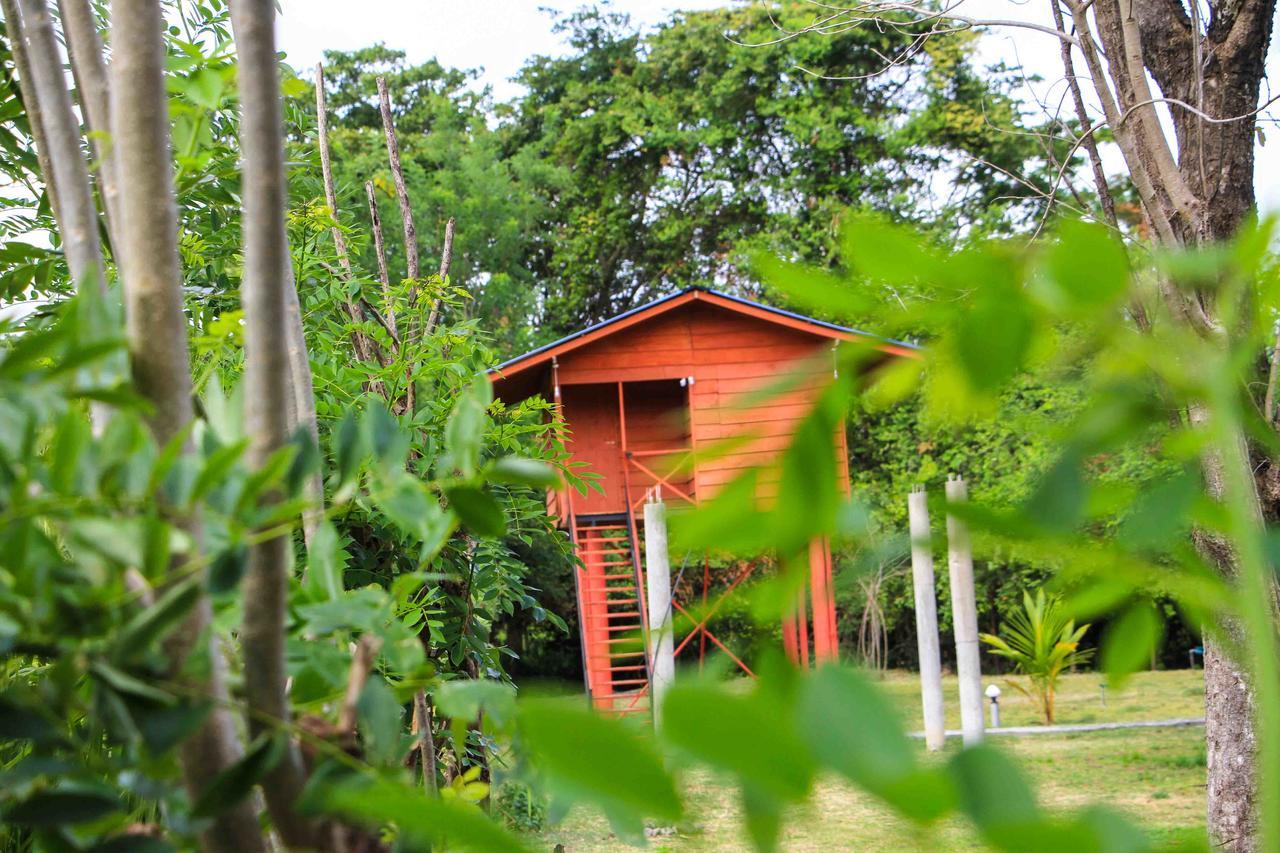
(497, 36)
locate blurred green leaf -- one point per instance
(595, 759)
(993, 336)
(1084, 287)
(326, 562)
(467, 698)
(523, 472)
(154, 623)
(228, 568)
(995, 794)
(478, 510)
(380, 716)
(348, 447)
(60, 807)
(464, 434)
(714, 724)
(853, 729)
(1128, 642)
(232, 785)
(424, 821)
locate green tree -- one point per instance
(454, 167)
(685, 149)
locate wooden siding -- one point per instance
(730, 359)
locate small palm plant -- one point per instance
(1042, 641)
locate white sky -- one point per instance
(499, 35)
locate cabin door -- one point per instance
(595, 437)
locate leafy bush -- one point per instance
(520, 808)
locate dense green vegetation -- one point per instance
(220, 622)
(640, 163)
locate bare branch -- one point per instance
(366, 349)
(1100, 184)
(357, 676)
(381, 320)
(402, 192)
(264, 297)
(380, 250)
(446, 258)
(1168, 175)
(1142, 180)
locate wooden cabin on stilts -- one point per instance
(640, 394)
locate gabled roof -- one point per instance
(820, 328)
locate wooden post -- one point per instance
(657, 570)
(964, 615)
(926, 620)
(826, 645)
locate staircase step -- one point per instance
(612, 621)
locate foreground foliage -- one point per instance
(111, 541)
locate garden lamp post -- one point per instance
(993, 693)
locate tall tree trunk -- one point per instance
(1215, 74)
(157, 333)
(77, 214)
(264, 295)
(84, 46)
(30, 103)
(1218, 70)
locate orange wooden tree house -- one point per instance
(639, 394)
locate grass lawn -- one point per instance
(1155, 775)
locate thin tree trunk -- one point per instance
(264, 295)
(31, 104)
(157, 333)
(78, 215)
(365, 348)
(446, 258)
(84, 46)
(412, 270)
(402, 192)
(380, 250)
(427, 743)
(302, 392)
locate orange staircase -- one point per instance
(611, 607)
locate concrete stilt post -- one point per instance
(926, 620)
(964, 615)
(657, 571)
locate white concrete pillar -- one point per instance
(926, 620)
(964, 615)
(657, 572)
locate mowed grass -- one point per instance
(1156, 776)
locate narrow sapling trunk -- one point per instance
(303, 408)
(84, 46)
(264, 295)
(366, 348)
(31, 104)
(157, 334)
(77, 214)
